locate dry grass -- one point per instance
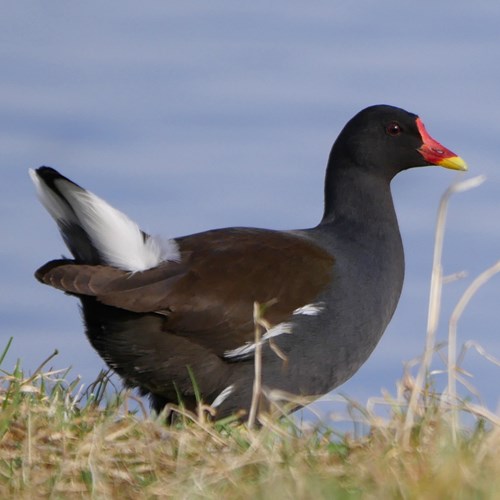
(54, 443)
(50, 447)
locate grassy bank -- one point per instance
(54, 445)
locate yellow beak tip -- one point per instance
(454, 163)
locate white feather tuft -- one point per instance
(248, 349)
(222, 396)
(310, 309)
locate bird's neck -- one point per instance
(361, 227)
(358, 199)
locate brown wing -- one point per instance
(208, 296)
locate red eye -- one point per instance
(393, 128)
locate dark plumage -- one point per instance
(159, 313)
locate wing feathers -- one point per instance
(145, 291)
(209, 295)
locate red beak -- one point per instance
(437, 154)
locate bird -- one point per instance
(175, 317)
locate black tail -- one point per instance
(51, 187)
(94, 231)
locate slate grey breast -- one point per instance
(161, 312)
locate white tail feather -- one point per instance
(52, 203)
(118, 239)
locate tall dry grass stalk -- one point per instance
(471, 290)
(436, 287)
(257, 380)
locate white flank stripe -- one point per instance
(310, 309)
(279, 329)
(247, 350)
(222, 396)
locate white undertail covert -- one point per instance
(118, 239)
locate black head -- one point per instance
(386, 140)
